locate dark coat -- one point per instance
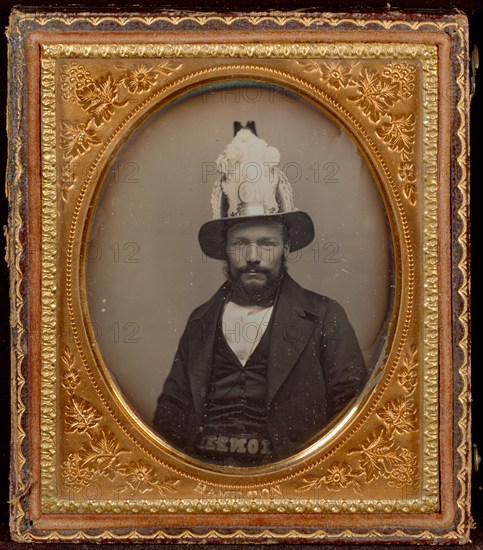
(315, 368)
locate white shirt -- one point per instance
(243, 328)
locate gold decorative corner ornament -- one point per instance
(117, 124)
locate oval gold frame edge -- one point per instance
(296, 463)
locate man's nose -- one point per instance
(252, 254)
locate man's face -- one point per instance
(255, 252)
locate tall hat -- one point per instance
(251, 187)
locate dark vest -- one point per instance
(234, 427)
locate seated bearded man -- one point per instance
(265, 364)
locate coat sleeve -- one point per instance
(175, 402)
(342, 361)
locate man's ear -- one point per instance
(286, 250)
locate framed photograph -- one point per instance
(239, 277)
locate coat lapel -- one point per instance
(293, 324)
(202, 335)
(291, 331)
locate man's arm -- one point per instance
(344, 368)
(175, 402)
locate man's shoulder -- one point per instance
(310, 301)
(210, 305)
(296, 291)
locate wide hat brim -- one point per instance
(212, 234)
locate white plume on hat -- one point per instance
(250, 179)
(252, 186)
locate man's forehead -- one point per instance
(256, 227)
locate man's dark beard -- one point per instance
(259, 296)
